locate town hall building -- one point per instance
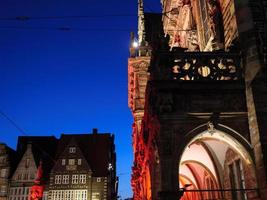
(197, 89)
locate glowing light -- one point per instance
(135, 44)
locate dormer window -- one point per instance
(72, 149)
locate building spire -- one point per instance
(141, 22)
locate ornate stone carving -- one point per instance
(141, 66)
(212, 68)
(215, 22)
(210, 127)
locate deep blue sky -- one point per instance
(54, 82)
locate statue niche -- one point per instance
(215, 23)
(186, 33)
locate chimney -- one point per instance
(95, 131)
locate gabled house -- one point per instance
(85, 168)
(32, 150)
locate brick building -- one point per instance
(198, 93)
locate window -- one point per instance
(2, 159)
(79, 161)
(75, 179)
(32, 176)
(3, 189)
(72, 149)
(57, 179)
(95, 196)
(237, 180)
(98, 180)
(45, 196)
(63, 162)
(240, 178)
(26, 177)
(19, 177)
(82, 178)
(69, 195)
(71, 161)
(27, 163)
(65, 179)
(3, 173)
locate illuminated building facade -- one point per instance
(73, 167)
(85, 168)
(198, 93)
(31, 151)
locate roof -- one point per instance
(96, 149)
(43, 148)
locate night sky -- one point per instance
(62, 74)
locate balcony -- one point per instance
(190, 66)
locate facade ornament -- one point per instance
(211, 127)
(214, 21)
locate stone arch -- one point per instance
(211, 147)
(220, 127)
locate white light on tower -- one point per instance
(135, 44)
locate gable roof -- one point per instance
(43, 148)
(96, 148)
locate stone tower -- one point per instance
(197, 86)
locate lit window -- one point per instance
(57, 179)
(98, 180)
(79, 161)
(65, 179)
(3, 189)
(3, 173)
(69, 195)
(71, 161)
(75, 179)
(82, 178)
(63, 162)
(95, 196)
(72, 149)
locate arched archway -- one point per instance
(216, 165)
